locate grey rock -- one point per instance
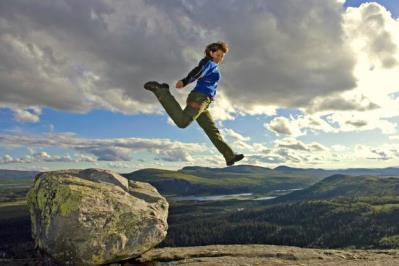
(234, 255)
(95, 216)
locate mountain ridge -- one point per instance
(340, 185)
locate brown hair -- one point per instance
(213, 47)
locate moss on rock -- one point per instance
(89, 221)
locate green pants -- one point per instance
(196, 109)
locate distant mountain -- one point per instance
(339, 211)
(11, 174)
(238, 179)
(233, 169)
(390, 171)
(346, 186)
(195, 180)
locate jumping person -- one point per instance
(207, 76)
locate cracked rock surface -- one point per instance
(264, 255)
(95, 216)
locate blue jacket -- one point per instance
(207, 73)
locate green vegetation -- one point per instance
(344, 186)
(318, 223)
(339, 211)
(14, 189)
(208, 181)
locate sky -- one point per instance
(306, 83)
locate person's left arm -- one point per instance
(194, 74)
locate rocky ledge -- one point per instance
(263, 255)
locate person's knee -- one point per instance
(184, 123)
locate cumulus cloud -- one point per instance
(173, 156)
(293, 152)
(313, 123)
(341, 103)
(31, 114)
(339, 148)
(339, 67)
(75, 56)
(119, 165)
(283, 125)
(373, 36)
(235, 136)
(45, 157)
(119, 149)
(330, 123)
(294, 144)
(298, 126)
(358, 121)
(382, 153)
(108, 153)
(265, 159)
(290, 63)
(395, 138)
(368, 23)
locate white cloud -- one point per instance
(222, 108)
(294, 144)
(395, 138)
(373, 36)
(360, 121)
(31, 114)
(339, 148)
(173, 156)
(330, 123)
(284, 126)
(316, 147)
(76, 56)
(118, 149)
(313, 123)
(372, 27)
(343, 102)
(235, 136)
(119, 165)
(266, 159)
(295, 62)
(108, 153)
(45, 157)
(384, 152)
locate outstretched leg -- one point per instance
(205, 121)
(196, 104)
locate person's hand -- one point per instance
(179, 84)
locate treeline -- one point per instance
(322, 223)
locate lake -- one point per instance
(241, 196)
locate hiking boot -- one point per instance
(154, 86)
(237, 157)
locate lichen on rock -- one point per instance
(95, 216)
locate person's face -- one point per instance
(217, 56)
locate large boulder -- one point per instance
(95, 216)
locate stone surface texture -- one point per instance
(95, 216)
(248, 255)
